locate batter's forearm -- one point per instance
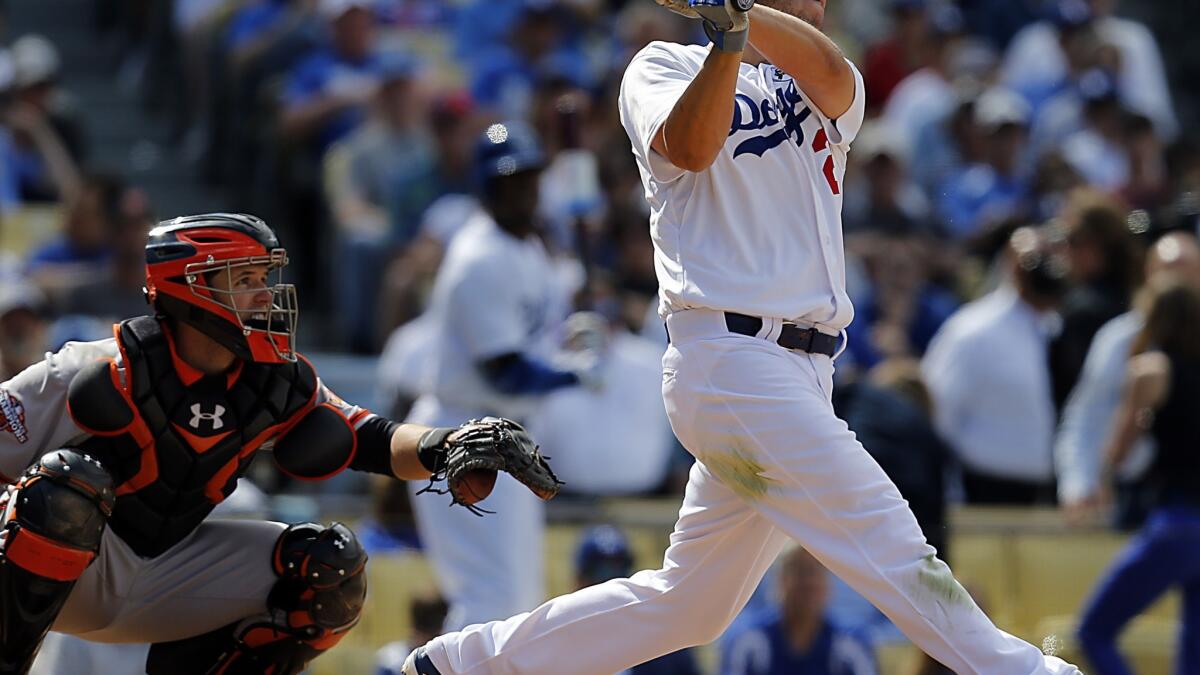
(808, 55)
(698, 125)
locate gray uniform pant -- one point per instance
(219, 574)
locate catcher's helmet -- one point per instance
(183, 252)
(504, 150)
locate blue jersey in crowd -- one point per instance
(760, 647)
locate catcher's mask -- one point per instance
(183, 257)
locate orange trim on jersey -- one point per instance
(148, 463)
(188, 374)
(213, 488)
(200, 444)
(46, 558)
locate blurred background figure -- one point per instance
(1105, 268)
(1161, 397)
(82, 252)
(426, 615)
(1086, 420)
(489, 357)
(603, 553)
(892, 412)
(795, 635)
(988, 375)
(996, 187)
(613, 439)
(24, 327)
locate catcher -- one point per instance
(114, 453)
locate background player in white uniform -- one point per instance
(496, 294)
(745, 217)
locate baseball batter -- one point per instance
(115, 452)
(742, 148)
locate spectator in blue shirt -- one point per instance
(80, 254)
(996, 188)
(603, 553)
(540, 46)
(796, 637)
(327, 94)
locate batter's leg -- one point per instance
(719, 551)
(762, 419)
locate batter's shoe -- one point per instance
(418, 663)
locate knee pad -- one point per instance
(321, 577)
(55, 515)
(53, 519)
(317, 599)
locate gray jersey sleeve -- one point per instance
(33, 406)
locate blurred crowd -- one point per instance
(1027, 178)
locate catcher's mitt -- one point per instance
(490, 444)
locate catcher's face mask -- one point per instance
(222, 274)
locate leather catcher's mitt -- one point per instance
(486, 445)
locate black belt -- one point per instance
(791, 336)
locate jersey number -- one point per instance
(821, 142)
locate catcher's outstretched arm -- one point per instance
(406, 461)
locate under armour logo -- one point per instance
(214, 416)
(340, 542)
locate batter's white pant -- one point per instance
(773, 461)
(490, 567)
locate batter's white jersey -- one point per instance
(760, 231)
(494, 294)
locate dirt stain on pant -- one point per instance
(740, 472)
(935, 577)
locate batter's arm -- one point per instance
(808, 55)
(695, 131)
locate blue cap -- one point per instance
(603, 553)
(1069, 13)
(397, 65)
(946, 20)
(505, 149)
(1097, 85)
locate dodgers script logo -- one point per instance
(14, 416)
(788, 108)
(749, 115)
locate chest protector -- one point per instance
(176, 440)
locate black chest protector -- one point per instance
(176, 449)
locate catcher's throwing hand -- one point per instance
(468, 457)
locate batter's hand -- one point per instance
(680, 7)
(726, 16)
